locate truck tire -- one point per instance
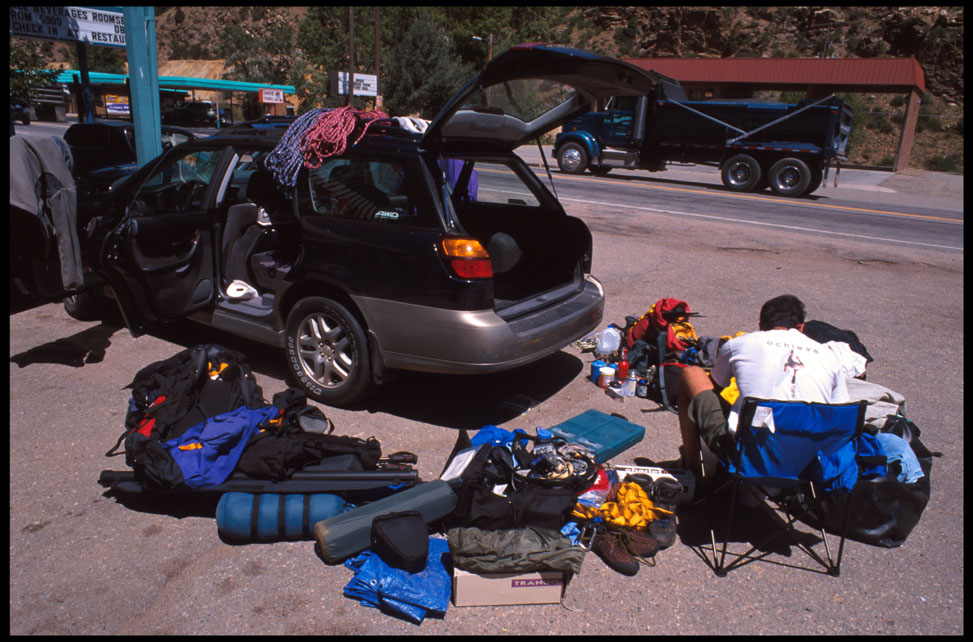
(572, 159)
(789, 177)
(741, 173)
(327, 352)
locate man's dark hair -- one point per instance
(783, 311)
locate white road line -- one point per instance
(737, 220)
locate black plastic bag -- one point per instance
(883, 510)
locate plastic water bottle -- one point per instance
(608, 341)
(544, 443)
(235, 510)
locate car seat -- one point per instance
(247, 223)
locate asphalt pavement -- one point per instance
(83, 562)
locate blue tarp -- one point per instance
(410, 596)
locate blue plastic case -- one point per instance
(604, 435)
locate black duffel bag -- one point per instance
(883, 510)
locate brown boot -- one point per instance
(642, 546)
(610, 547)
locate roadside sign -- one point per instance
(117, 105)
(275, 96)
(90, 25)
(365, 84)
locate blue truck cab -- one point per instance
(756, 144)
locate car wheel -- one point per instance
(85, 306)
(327, 351)
(741, 173)
(789, 177)
(572, 159)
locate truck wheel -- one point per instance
(327, 352)
(789, 177)
(817, 177)
(572, 159)
(741, 173)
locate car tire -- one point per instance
(86, 306)
(741, 173)
(789, 177)
(327, 352)
(572, 159)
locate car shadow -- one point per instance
(77, 350)
(450, 401)
(474, 401)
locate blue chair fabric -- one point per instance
(813, 449)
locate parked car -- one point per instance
(436, 251)
(19, 110)
(195, 114)
(104, 152)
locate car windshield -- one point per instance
(524, 99)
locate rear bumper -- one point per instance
(414, 337)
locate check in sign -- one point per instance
(91, 25)
(272, 96)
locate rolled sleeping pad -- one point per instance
(349, 533)
(269, 517)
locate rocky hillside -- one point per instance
(934, 35)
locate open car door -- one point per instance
(529, 90)
(160, 257)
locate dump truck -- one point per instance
(755, 144)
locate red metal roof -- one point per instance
(904, 73)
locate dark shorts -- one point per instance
(708, 411)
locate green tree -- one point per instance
(422, 72)
(27, 70)
(261, 58)
(323, 38)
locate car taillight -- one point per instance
(466, 257)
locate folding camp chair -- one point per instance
(798, 452)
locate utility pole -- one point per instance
(378, 61)
(351, 53)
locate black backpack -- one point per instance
(173, 395)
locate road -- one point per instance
(82, 562)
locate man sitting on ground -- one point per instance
(778, 362)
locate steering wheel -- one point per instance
(187, 193)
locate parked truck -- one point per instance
(787, 147)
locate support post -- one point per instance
(908, 134)
(143, 72)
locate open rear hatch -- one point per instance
(523, 93)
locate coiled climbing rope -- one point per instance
(316, 135)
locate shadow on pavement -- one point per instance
(450, 401)
(87, 346)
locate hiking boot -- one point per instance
(641, 544)
(664, 493)
(663, 530)
(611, 549)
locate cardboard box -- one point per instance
(499, 589)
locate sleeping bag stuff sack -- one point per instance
(268, 517)
(347, 534)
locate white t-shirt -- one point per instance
(780, 364)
